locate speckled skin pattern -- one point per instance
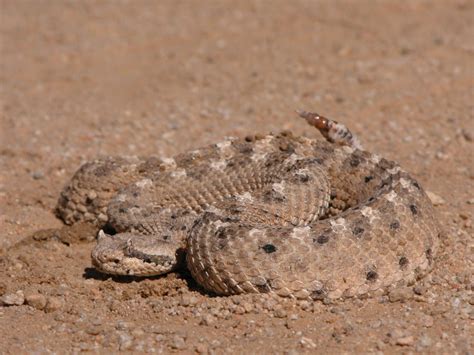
(288, 215)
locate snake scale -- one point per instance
(293, 216)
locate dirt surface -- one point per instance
(82, 79)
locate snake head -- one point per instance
(135, 254)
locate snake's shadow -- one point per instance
(184, 274)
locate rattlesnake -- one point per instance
(293, 216)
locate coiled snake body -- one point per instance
(289, 215)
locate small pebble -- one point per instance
(91, 195)
(247, 306)
(376, 324)
(427, 321)
(94, 330)
(201, 348)
(467, 135)
(37, 175)
(207, 319)
(396, 333)
(239, 310)
(178, 342)
(279, 312)
(420, 289)
(425, 341)
(441, 156)
(405, 341)
(400, 294)
(307, 343)
(293, 316)
(123, 325)
(435, 199)
(125, 341)
(53, 304)
(185, 300)
(137, 332)
(269, 304)
(13, 299)
(439, 309)
(36, 300)
(305, 305)
(188, 300)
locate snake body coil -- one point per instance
(288, 215)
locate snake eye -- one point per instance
(166, 237)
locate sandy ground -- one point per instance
(88, 78)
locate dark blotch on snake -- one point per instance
(368, 178)
(403, 262)
(303, 177)
(318, 295)
(269, 248)
(355, 162)
(372, 276)
(322, 239)
(221, 233)
(395, 225)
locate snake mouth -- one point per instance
(134, 266)
(164, 260)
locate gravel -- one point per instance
(401, 294)
(13, 299)
(36, 300)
